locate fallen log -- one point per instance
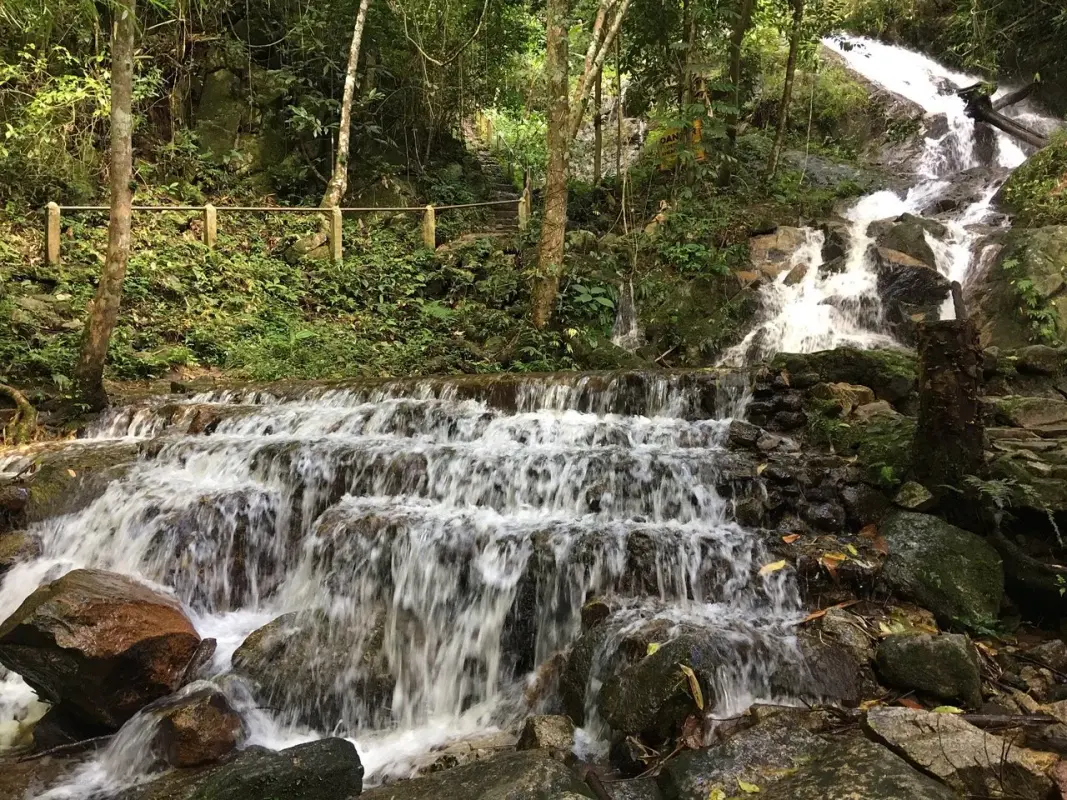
(1011, 98)
(979, 106)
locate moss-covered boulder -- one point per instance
(16, 547)
(944, 666)
(954, 573)
(526, 775)
(908, 234)
(1021, 298)
(70, 478)
(850, 769)
(1034, 193)
(890, 373)
(328, 769)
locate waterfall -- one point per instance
(456, 535)
(830, 309)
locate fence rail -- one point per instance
(54, 214)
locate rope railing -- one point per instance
(54, 214)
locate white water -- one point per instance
(824, 311)
(469, 536)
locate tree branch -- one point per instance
(397, 9)
(578, 108)
(24, 425)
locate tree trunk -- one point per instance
(335, 189)
(598, 126)
(787, 89)
(618, 107)
(949, 436)
(742, 23)
(104, 307)
(554, 218)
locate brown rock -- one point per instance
(200, 728)
(772, 253)
(16, 547)
(101, 644)
(547, 732)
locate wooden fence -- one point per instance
(334, 215)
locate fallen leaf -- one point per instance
(869, 531)
(774, 566)
(716, 793)
(652, 648)
(822, 611)
(907, 702)
(760, 468)
(834, 557)
(948, 710)
(853, 550)
(694, 685)
(880, 545)
(791, 538)
(693, 732)
(72, 473)
(867, 705)
(746, 787)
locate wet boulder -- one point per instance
(525, 775)
(908, 234)
(327, 769)
(771, 254)
(758, 755)
(547, 732)
(199, 728)
(844, 397)
(100, 644)
(837, 239)
(16, 547)
(914, 496)
(955, 573)
(315, 670)
(910, 291)
(890, 373)
(850, 769)
(968, 759)
(944, 666)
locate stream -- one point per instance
(438, 517)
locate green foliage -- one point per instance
(1037, 191)
(882, 445)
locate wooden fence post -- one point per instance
(336, 250)
(211, 225)
(524, 213)
(429, 228)
(51, 234)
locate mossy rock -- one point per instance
(881, 443)
(944, 666)
(890, 373)
(1034, 192)
(68, 480)
(1021, 298)
(954, 573)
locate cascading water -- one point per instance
(448, 544)
(831, 308)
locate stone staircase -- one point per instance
(503, 218)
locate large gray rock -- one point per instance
(857, 770)
(526, 775)
(1004, 317)
(100, 644)
(758, 755)
(910, 290)
(771, 254)
(328, 769)
(547, 732)
(946, 569)
(908, 234)
(942, 665)
(976, 763)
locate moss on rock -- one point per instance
(890, 373)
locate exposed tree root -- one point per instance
(24, 426)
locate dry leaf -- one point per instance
(652, 648)
(907, 702)
(746, 787)
(853, 550)
(880, 545)
(694, 685)
(693, 732)
(948, 710)
(774, 566)
(834, 557)
(72, 473)
(822, 611)
(869, 531)
(792, 537)
(716, 793)
(760, 468)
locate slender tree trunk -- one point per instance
(618, 106)
(598, 126)
(742, 23)
(104, 307)
(335, 189)
(787, 89)
(554, 218)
